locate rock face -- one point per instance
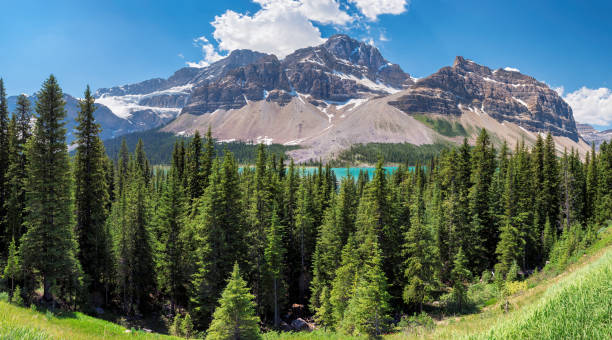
(338, 70)
(592, 136)
(316, 93)
(112, 125)
(154, 102)
(504, 94)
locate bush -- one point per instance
(417, 321)
(4, 296)
(17, 298)
(187, 327)
(515, 287)
(175, 328)
(486, 277)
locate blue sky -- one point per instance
(567, 44)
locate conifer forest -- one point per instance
(218, 249)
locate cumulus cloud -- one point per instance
(209, 53)
(282, 26)
(591, 106)
(511, 69)
(373, 8)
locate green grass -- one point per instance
(24, 323)
(315, 335)
(442, 126)
(579, 307)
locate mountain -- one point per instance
(504, 94)
(326, 98)
(590, 135)
(112, 125)
(154, 102)
(374, 106)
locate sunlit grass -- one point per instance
(24, 323)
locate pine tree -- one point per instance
(4, 166)
(460, 276)
(16, 174)
(419, 252)
(207, 157)
(305, 236)
(49, 247)
(169, 224)
(219, 227)
(368, 309)
(195, 174)
(344, 281)
(13, 267)
(548, 238)
(483, 236)
(91, 195)
(122, 168)
(275, 254)
(140, 244)
(509, 249)
(235, 317)
(326, 258)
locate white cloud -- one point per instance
(591, 106)
(373, 8)
(512, 69)
(280, 27)
(208, 52)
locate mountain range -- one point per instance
(328, 97)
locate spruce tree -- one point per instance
(13, 267)
(344, 281)
(235, 317)
(368, 309)
(195, 174)
(49, 246)
(91, 195)
(483, 235)
(16, 174)
(138, 224)
(207, 157)
(275, 255)
(170, 253)
(305, 236)
(220, 237)
(326, 258)
(4, 166)
(460, 276)
(419, 254)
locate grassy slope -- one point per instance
(566, 306)
(572, 305)
(23, 323)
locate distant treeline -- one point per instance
(159, 145)
(402, 153)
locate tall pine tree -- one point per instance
(91, 196)
(49, 246)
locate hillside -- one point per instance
(29, 324)
(564, 306)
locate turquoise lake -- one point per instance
(343, 172)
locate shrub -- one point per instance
(187, 327)
(17, 298)
(486, 276)
(417, 321)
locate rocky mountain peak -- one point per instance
(506, 95)
(356, 52)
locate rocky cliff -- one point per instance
(504, 94)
